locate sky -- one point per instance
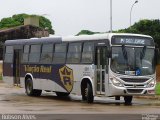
(69, 17)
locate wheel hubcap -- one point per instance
(86, 92)
(29, 87)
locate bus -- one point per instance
(106, 65)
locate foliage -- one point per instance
(86, 32)
(46, 24)
(17, 20)
(157, 89)
(147, 27)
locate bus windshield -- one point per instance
(136, 61)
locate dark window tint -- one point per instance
(47, 53)
(59, 55)
(25, 53)
(9, 49)
(74, 53)
(35, 48)
(25, 57)
(60, 47)
(88, 52)
(34, 55)
(8, 58)
(26, 49)
(47, 48)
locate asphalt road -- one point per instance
(48, 106)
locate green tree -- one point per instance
(46, 24)
(86, 32)
(8, 22)
(147, 27)
(18, 19)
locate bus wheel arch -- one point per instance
(30, 91)
(87, 90)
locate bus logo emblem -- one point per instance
(66, 75)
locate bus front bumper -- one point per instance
(124, 91)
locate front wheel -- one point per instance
(128, 100)
(29, 88)
(87, 93)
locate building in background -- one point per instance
(30, 29)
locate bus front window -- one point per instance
(132, 60)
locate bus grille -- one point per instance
(134, 90)
(136, 80)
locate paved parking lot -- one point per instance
(14, 100)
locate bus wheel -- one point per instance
(88, 94)
(128, 100)
(29, 88)
(62, 94)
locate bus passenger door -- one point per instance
(101, 63)
(16, 67)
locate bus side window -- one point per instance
(25, 53)
(34, 55)
(8, 54)
(88, 52)
(74, 53)
(59, 55)
(47, 53)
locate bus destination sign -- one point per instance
(132, 41)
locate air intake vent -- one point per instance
(136, 80)
(134, 90)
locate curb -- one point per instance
(156, 97)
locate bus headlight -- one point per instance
(151, 84)
(116, 82)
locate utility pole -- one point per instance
(131, 12)
(111, 16)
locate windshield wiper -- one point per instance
(143, 52)
(124, 52)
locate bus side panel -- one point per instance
(47, 76)
(80, 72)
(8, 73)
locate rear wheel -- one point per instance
(87, 93)
(62, 94)
(128, 100)
(29, 88)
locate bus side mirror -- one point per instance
(157, 56)
(109, 53)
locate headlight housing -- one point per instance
(151, 83)
(116, 82)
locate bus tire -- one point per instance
(29, 88)
(62, 94)
(88, 94)
(128, 100)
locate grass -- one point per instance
(158, 88)
(0, 77)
